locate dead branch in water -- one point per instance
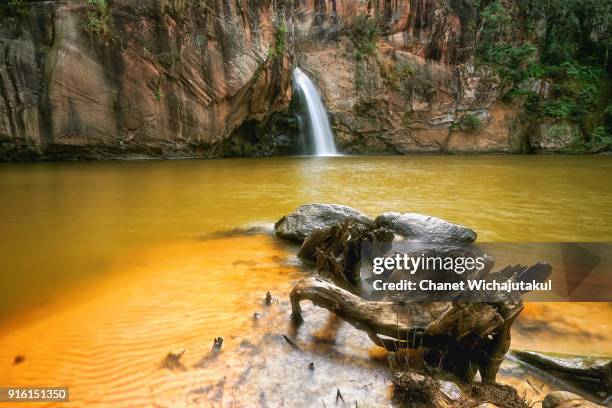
(473, 336)
(292, 343)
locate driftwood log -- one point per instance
(467, 337)
(464, 337)
(591, 374)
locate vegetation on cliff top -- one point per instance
(13, 8)
(280, 40)
(555, 55)
(552, 57)
(98, 19)
(364, 31)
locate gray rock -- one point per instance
(424, 228)
(565, 399)
(450, 390)
(554, 136)
(309, 217)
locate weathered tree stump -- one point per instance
(464, 337)
(337, 250)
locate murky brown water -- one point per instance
(134, 243)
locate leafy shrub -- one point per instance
(393, 71)
(560, 109)
(364, 32)
(601, 136)
(563, 42)
(158, 94)
(471, 122)
(13, 8)
(168, 60)
(573, 29)
(97, 19)
(495, 44)
(280, 41)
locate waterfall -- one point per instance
(320, 131)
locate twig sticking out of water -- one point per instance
(292, 343)
(339, 396)
(217, 343)
(173, 361)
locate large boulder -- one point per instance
(425, 228)
(309, 217)
(551, 136)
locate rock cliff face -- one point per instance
(418, 92)
(212, 78)
(169, 78)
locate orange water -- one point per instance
(107, 342)
(107, 267)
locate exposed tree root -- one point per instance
(468, 336)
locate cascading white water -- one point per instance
(321, 134)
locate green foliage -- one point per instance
(280, 41)
(510, 61)
(471, 122)
(562, 43)
(13, 8)
(200, 42)
(560, 109)
(468, 123)
(97, 18)
(168, 60)
(607, 117)
(573, 29)
(393, 71)
(177, 9)
(364, 32)
(495, 44)
(257, 74)
(496, 23)
(158, 94)
(576, 93)
(601, 136)
(281, 38)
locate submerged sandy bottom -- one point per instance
(107, 340)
